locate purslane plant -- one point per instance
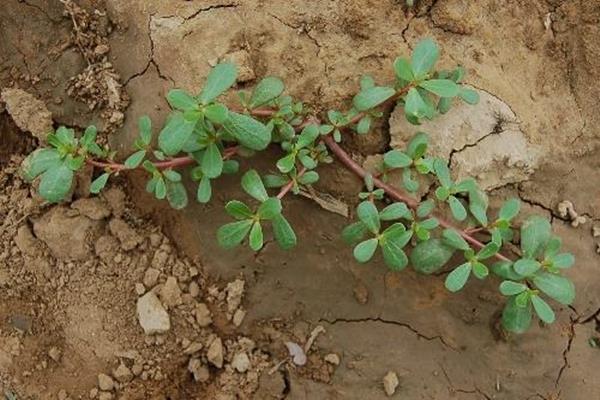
(206, 135)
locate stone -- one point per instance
(202, 314)
(170, 293)
(235, 291)
(199, 371)
(29, 113)
(140, 289)
(192, 348)
(332, 359)
(152, 315)
(215, 353)
(390, 383)
(151, 277)
(54, 353)
(194, 289)
(59, 226)
(241, 58)
(238, 317)
(240, 362)
(123, 374)
(127, 236)
(105, 396)
(482, 141)
(105, 382)
(92, 207)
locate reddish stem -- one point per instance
(288, 186)
(396, 194)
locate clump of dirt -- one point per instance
(29, 113)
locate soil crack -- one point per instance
(389, 322)
(210, 8)
(302, 28)
(566, 351)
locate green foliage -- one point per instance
(201, 137)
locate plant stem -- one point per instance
(396, 194)
(288, 186)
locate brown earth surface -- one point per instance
(71, 276)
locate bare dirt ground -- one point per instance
(72, 276)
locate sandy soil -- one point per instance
(71, 276)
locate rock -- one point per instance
(240, 362)
(105, 382)
(198, 370)
(238, 317)
(128, 237)
(106, 247)
(54, 353)
(59, 227)
(170, 293)
(241, 59)
(194, 289)
(93, 208)
(105, 396)
(235, 291)
(152, 315)
(596, 231)
(29, 113)
(390, 383)
(159, 261)
(485, 141)
(123, 374)
(151, 277)
(140, 289)
(202, 314)
(215, 353)
(192, 348)
(332, 358)
(62, 394)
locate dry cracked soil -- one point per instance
(119, 297)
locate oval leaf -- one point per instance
(372, 97)
(232, 234)
(457, 279)
(219, 79)
(267, 89)
(364, 251)
(555, 286)
(248, 131)
(283, 232)
(429, 256)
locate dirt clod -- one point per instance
(215, 353)
(240, 362)
(202, 314)
(105, 382)
(29, 113)
(170, 293)
(123, 374)
(199, 371)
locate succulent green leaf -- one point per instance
(255, 239)
(248, 131)
(442, 172)
(429, 256)
(425, 208)
(562, 260)
(396, 159)
(160, 190)
(470, 96)
(175, 134)
(415, 106)
(177, 195)
(515, 318)
(429, 223)
(555, 286)
(505, 270)
(372, 97)
(354, 232)
(231, 166)
(424, 57)
(542, 309)
(363, 126)
(526, 266)
(212, 161)
(216, 113)
(269, 208)
(364, 251)
(456, 207)
(219, 79)
(308, 178)
(417, 146)
(453, 239)
(368, 214)
(488, 251)
(39, 162)
(393, 255)
(238, 210)
(253, 185)
(204, 192)
(441, 87)
(457, 279)
(403, 69)
(308, 135)
(134, 160)
(172, 175)
(145, 127)
(478, 204)
(232, 234)
(55, 183)
(180, 100)
(99, 183)
(283, 232)
(267, 89)
(394, 211)
(510, 288)
(275, 181)
(535, 233)
(287, 163)
(552, 247)
(509, 209)
(480, 270)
